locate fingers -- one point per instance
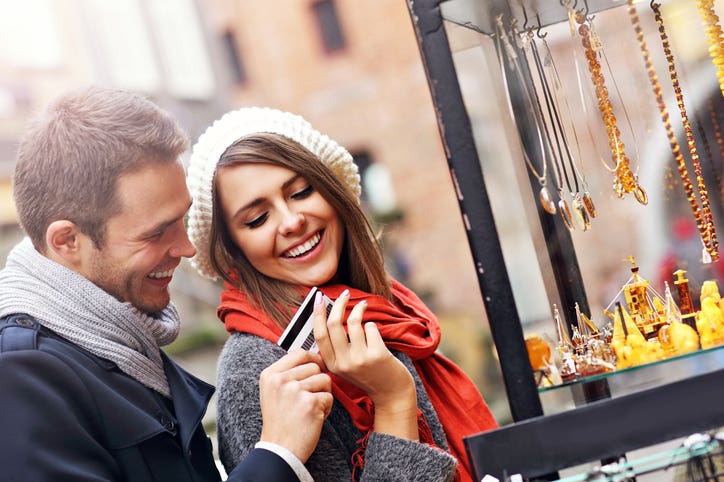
(321, 333)
(305, 376)
(374, 338)
(293, 359)
(319, 382)
(336, 344)
(355, 331)
(335, 325)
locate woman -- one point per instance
(275, 212)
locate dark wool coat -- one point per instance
(68, 415)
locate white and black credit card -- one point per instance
(300, 331)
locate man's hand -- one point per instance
(295, 399)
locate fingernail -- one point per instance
(344, 293)
(363, 302)
(318, 298)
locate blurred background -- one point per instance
(351, 68)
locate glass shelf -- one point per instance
(621, 372)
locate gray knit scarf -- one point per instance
(78, 310)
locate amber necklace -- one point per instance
(625, 181)
(718, 137)
(703, 216)
(714, 37)
(708, 154)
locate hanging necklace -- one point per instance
(583, 200)
(704, 230)
(582, 98)
(550, 134)
(625, 181)
(714, 37)
(717, 137)
(703, 216)
(708, 154)
(565, 162)
(544, 195)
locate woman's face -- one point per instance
(286, 229)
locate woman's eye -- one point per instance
(256, 222)
(303, 193)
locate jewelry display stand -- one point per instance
(601, 426)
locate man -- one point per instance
(86, 393)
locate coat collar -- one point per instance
(190, 397)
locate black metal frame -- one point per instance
(467, 176)
(600, 429)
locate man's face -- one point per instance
(145, 242)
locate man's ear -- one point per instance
(63, 241)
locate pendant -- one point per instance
(588, 202)
(705, 256)
(565, 214)
(546, 201)
(640, 195)
(584, 222)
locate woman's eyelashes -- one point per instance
(306, 192)
(296, 196)
(257, 221)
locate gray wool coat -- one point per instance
(387, 458)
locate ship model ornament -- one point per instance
(644, 327)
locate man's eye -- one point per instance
(303, 193)
(256, 222)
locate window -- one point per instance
(378, 193)
(328, 23)
(180, 39)
(232, 53)
(124, 44)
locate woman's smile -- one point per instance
(284, 227)
(304, 248)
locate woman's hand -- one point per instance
(361, 357)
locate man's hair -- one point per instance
(361, 264)
(73, 153)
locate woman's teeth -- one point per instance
(304, 248)
(161, 274)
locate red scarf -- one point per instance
(407, 326)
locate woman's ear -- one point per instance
(63, 241)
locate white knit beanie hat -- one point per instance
(223, 133)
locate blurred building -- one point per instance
(351, 68)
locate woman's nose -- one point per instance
(291, 222)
